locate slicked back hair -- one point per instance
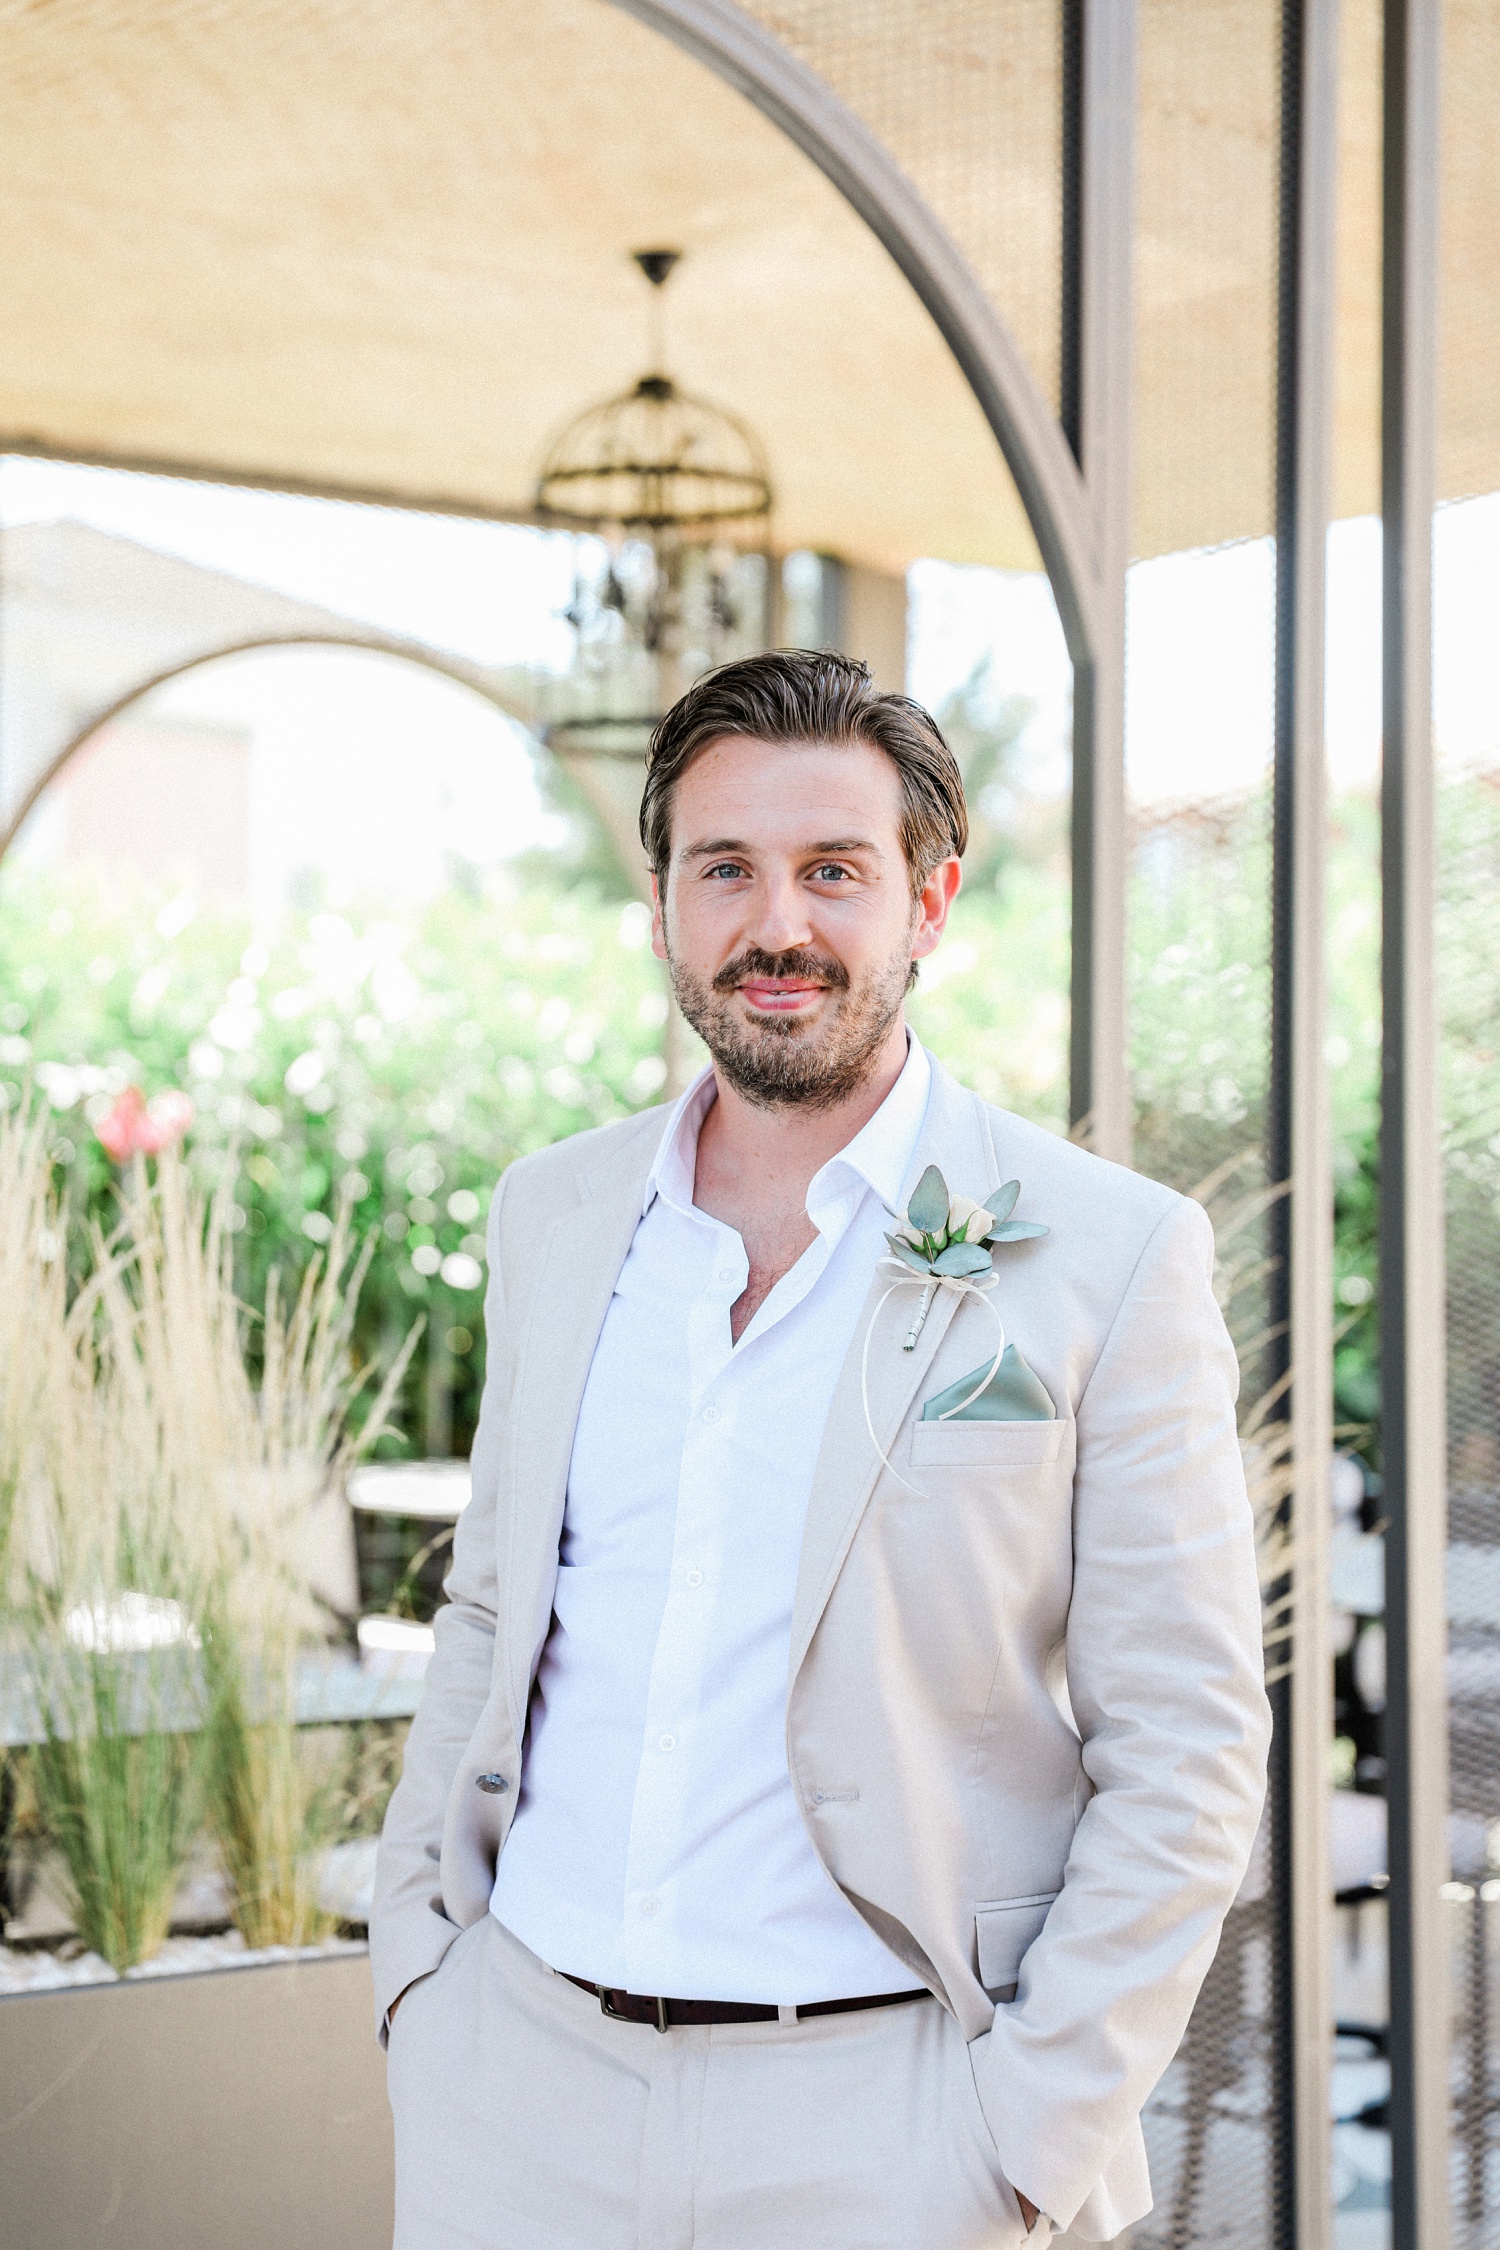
(798, 695)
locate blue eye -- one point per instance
(830, 873)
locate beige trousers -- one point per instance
(527, 2120)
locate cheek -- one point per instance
(872, 936)
(699, 930)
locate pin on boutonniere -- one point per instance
(950, 1238)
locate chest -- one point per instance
(773, 1246)
(679, 1418)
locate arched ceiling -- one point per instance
(381, 248)
(384, 248)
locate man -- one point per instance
(845, 1734)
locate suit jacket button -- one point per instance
(493, 1784)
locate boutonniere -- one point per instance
(946, 1242)
(951, 1239)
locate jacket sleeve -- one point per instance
(409, 1929)
(1166, 1677)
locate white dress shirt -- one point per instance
(657, 1843)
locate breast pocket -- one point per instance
(987, 1445)
(1006, 1929)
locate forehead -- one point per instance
(782, 791)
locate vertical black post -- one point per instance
(1096, 403)
(1297, 1126)
(1412, 1436)
(1070, 340)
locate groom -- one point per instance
(845, 1737)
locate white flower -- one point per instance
(968, 1221)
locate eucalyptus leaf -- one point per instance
(908, 1256)
(928, 1208)
(1003, 1201)
(1018, 1230)
(963, 1258)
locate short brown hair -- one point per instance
(794, 695)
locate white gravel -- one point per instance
(180, 1956)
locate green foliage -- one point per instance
(118, 1790)
(271, 1813)
(992, 1002)
(1199, 986)
(1356, 1369)
(399, 1064)
(985, 729)
(1469, 980)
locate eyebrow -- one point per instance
(734, 844)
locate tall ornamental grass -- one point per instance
(104, 1568)
(164, 1451)
(1238, 1205)
(289, 1437)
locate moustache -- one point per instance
(822, 968)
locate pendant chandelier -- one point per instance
(675, 493)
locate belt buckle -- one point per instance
(615, 2016)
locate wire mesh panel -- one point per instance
(1470, 967)
(1200, 941)
(966, 95)
(1466, 605)
(1201, 644)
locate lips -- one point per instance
(777, 996)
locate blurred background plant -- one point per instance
(110, 1559)
(161, 1586)
(273, 1806)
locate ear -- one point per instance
(658, 909)
(932, 907)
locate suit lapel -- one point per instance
(580, 1263)
(956, 1138)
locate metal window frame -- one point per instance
(1412, 1280)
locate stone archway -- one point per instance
(596, 779)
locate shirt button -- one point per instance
(648, 1907)
(667, 1742)
(710, 1414)
(727, 1273)
(695, 1578)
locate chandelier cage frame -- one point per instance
(656, 460)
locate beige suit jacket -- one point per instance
(1026, 1722)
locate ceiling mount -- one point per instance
(656, 265)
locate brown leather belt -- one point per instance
(666, 2015)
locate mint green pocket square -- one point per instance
(1013, 1394)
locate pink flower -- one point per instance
(132, 1126)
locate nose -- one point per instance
(779, 920)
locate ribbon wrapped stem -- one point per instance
(919, 1318)
(961, 1286)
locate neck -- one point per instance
(787, 1146)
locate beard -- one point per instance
(777, 1061)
